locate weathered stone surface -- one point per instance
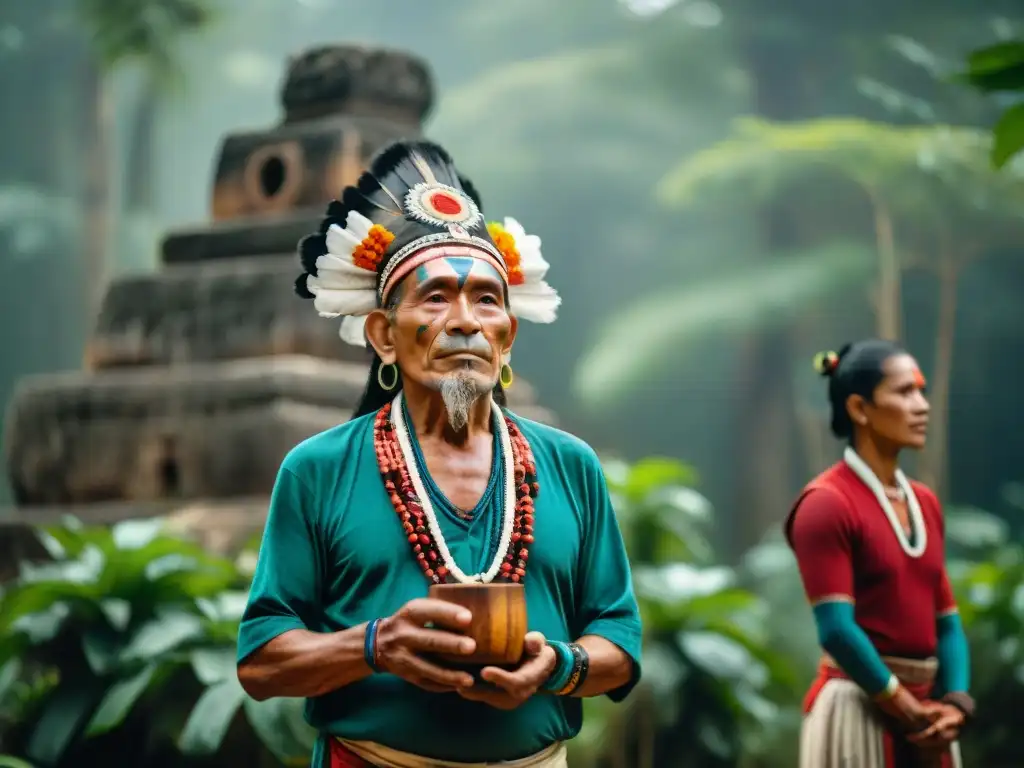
(239, 308)
(357, 80)
(211, 430)
(258, 236)
(298, 165)
(205, 430)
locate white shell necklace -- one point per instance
(868, 477)
(508, 511)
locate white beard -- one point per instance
(459, 392)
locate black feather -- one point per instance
(301, 289)
(311, 248)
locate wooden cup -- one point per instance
(499, 621)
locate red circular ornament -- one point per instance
(445, 204)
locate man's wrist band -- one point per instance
(578, 674)
(563, 667)
(370, 645)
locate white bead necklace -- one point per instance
(868, 477)
(508, 512)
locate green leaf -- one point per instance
(769, 295)
(282, 728)
(121, 697)
(136, 534)
(64, 715)
(975, 528)
(998, 67)
(9, 674)
(7, 761)
(213, 665)
(211, 717)
(118, 612)
(163, 634)
(654, 473)
(1008, 135)
(42, 626)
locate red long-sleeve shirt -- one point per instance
(846, 549)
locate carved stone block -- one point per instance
(356, 80)
(207, 430)
(193, 431)
(298, 165)
(277, 235)
(240, 308)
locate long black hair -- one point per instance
(376, 397)
(856, 369)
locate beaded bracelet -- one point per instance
(580, 667)
(370, 645)
(563, 667)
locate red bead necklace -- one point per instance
(394, 471)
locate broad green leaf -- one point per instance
(85, 569)
(974, 528)
(226, 606)
(282, 728)
(102, 649)
(998, 67)
(9, 673)
(65, 714)
(118, 612)
(120, 698)
(163, 634)
(8, 761)
(135, 534)
(1008, 135)
(651, 474)
(634, 346)
(54, 548)
(721, 657)
(211, 717)
(679, 581)
(213, 665)
(42, 626)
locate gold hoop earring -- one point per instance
(506, 377)
(380, 376)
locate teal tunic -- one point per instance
(334, 556)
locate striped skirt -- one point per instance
(842, 728)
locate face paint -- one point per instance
(421, 330)
(422, 273)
(462, 265)
(919, 380)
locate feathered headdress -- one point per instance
(411, 206)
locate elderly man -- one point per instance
(432, 482)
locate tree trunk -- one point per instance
(888, 299)
(139, 165)
(97, 205)
(933, 465)
(765, 449)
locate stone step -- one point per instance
(193, 430)
(205, 312)
(257, 235)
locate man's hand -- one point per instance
(404, 639)
(513, 688)
(944, 730)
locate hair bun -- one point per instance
(825, 363)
